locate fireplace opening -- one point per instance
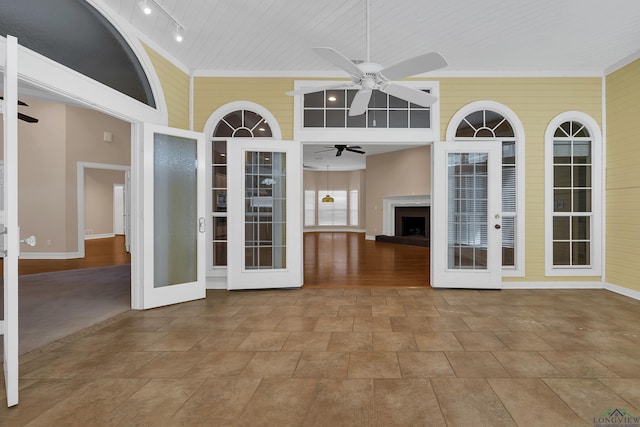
(413, 226)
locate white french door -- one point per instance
(265, 214)
(173, 216)
(466, 208)
(9, 222)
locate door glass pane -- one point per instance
(467, 211)
(175, 213)
(265, 210)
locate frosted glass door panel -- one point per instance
(265, 210)
(175, 210)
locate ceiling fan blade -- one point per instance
(27, 119)
(312, 89)
(360, 102)
(339, 153)
(355, 151)
(416, 65)
(410, 94)
(19, 102)
(324, 151)
(338, 59)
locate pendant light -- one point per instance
(327, 198)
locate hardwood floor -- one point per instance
(98, 253)
(347, 260)
(331, 260)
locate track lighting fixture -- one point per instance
(145, 6)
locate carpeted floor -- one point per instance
(54, 305)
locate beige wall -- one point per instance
(399, 173)
(350, 180)
(623, 178)
(49, 152)
(41, 176)
(85, 143)
(98, 200)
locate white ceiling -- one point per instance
(230, 37)
(477, 37)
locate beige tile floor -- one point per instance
(355, 357)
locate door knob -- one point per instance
(497, 226)
(29, 241)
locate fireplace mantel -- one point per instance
(389, 209)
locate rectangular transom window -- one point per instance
(330, 108)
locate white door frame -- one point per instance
(80, 195)
(9, 220)
(441, 275)
(119, 212)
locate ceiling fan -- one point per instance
(340, 148)
(369, 76)
(21, 116)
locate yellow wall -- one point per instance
(175, 85)
(623, 178)
(536, 101)
(212, 93)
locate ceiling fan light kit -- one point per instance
(369, 76)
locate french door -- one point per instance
(265, 214)
(466, 215)
(173, 216)
(9, 221)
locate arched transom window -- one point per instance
(489, 124)
(242, 124)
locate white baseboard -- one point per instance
(216, 283)
(98, 236)
(333, 229)
(552, 285)
(622, 291)
(369, 237)
(50, 255)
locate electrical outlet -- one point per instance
(48, 242)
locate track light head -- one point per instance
(144, 6)
(178, 34)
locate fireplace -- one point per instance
(416, 209)
(412, 222)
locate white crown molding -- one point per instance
(324, 74)
(622, 63)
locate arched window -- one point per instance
(573, 194)
(491, 121)
(236, 122)
(242, 124)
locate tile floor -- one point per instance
(354, 357)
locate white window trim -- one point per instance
(519, 269)
(356, 135)
(596, 196)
